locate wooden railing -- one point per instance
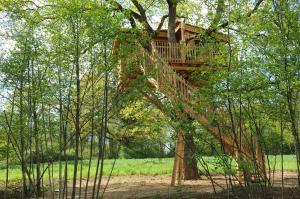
(167, 80)
(180, 53)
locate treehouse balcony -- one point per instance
(179, 54)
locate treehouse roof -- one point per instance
(191, 30)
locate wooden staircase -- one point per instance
(178, 91)
(165, 79)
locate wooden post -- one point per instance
(181, 158)
(178, 166)
(175, 165)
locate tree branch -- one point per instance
(255, 8)
(225, 24)
(131, 12)
(162, 21)
(132, 15)
(169, 2)
(140, 8)
(219, 11)
(141, 17)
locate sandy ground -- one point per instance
(125, 187)
(158, 187)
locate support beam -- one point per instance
(181, 158)
(175, 164)
(178, 166)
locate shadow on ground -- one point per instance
(158, 187)
(182, 192)
(236, 193)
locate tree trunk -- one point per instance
(77, 104)
(21, 132)
(172, 22)
(293, 121)
(37, 151)
(190, 162)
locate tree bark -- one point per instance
(172, 21)
(190, 162)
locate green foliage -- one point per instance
(144, 132)
(142, 149)
(143, 120)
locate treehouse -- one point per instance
(167, 68)
(191, 52)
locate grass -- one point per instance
(139, 167)
(122, 167)
(289, 162)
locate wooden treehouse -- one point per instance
(168, 68)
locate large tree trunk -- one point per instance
(190, 162)
(172, 21)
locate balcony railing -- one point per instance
(179, 53)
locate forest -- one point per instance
(149, 99)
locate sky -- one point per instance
(6, 44)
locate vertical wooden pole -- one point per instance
(175, 165)
(178, 166)
(181, 158)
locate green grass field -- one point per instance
(140, 167)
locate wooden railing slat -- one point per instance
(179, 53)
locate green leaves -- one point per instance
(144, 121)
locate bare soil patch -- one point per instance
(158, 187)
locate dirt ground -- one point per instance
(158, 187)
(148, 187)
